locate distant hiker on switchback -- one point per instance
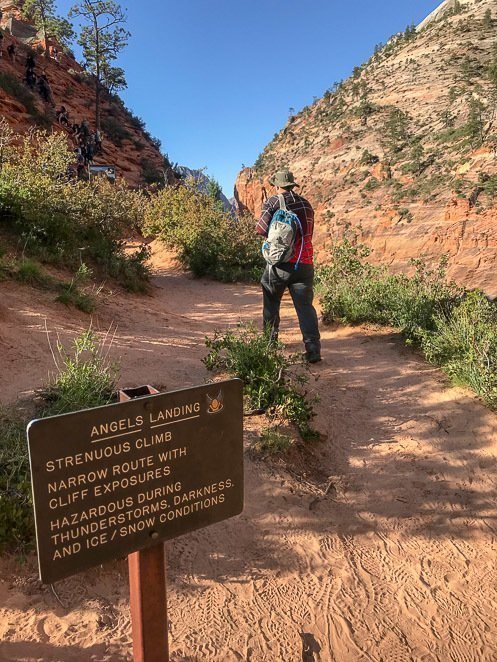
(287, 222)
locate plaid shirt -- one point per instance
(302, 208)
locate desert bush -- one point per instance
(60, 220)
(269, 382)
(16, 519)
(454, 328)
(272, 441)
(465, 344)
(85, 377)
(210, 241)
(114, 130)
(354, 290)
(150, 173)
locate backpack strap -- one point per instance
(281, 198)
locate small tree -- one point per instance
(365, 109)
(113, 78)
(410, 33)
(43, 14)
(487, 20)
(102, 39)
(476, 122)
(395, 134)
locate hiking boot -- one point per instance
(313, 352)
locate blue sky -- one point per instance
(214, 79)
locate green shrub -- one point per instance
(30, 272)
(210, 242)
(268, 381)
(85, 377)
(465, 344)
(16, 519)
(15, 88)
(115, 131)
(150, 173)
(272, 441)
(356, 291)
(456, 330)
(70, 295)
(59, 220)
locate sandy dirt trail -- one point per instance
(396, 562)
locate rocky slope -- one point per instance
(403, 153)
(126, 144)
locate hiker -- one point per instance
(30, 79)
(84, 130)
(44, 89)
(292, 266)
(62, 116)
(89, 152)
(97, 137)
(11, 52)
(80, 163)
(30, 62)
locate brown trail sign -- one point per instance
(110, 481)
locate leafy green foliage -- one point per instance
(487, 19)
(395, 135)
(272, 441)
(114, 130)
(465, 344)
(16, 520)
(13, 86)
(60, 220)
(43, 14)
(354, 290)
(269, 383)
(368, 159)
(85, 377)
(476, 122)
(456, 330)
(210, 242)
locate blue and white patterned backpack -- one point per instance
(282, 235)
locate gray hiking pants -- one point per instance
(300, 283)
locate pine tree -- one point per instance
(476, 122)
(102, 38)
(395, 135)
(43, 14)
(214, 189)
(487, 20)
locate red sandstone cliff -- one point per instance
(420, 184)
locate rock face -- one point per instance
(403, 153)
(202, 182)
(126, 145)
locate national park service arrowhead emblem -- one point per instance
(215, 405)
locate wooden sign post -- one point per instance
(148, 586)
(148, 605)
(122, 479)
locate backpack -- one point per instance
(282, 234)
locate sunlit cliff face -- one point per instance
(411, 195)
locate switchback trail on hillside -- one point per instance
(386, 553)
